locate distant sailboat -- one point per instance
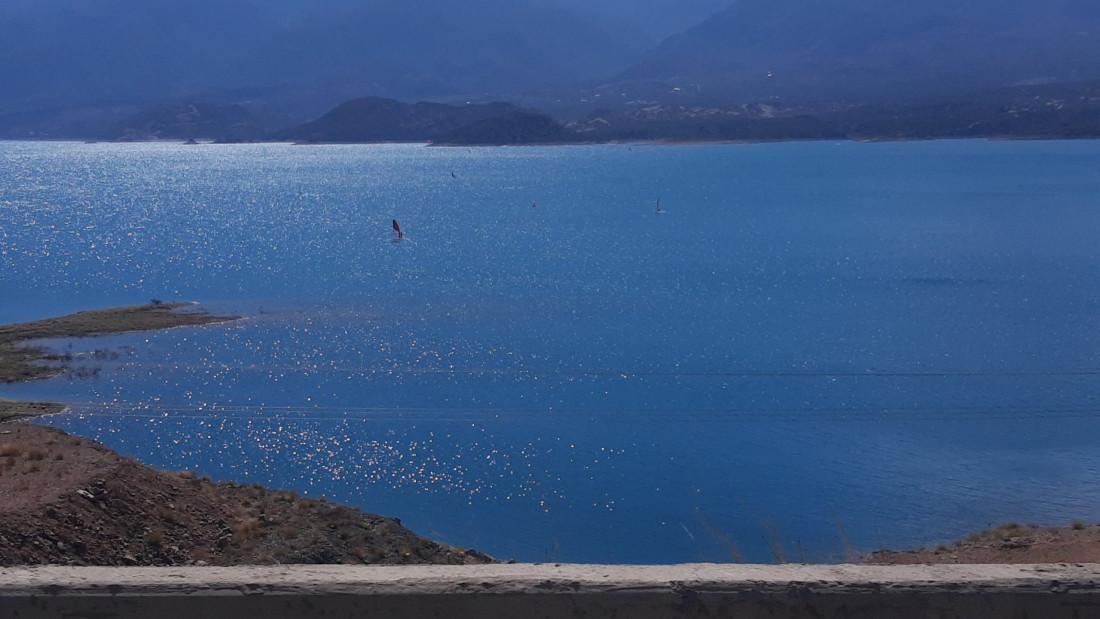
(658, 209)
(397, 233)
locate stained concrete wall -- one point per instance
(555, 591)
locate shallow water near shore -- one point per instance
(814, 348)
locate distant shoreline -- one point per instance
(884, 139)
(20, 361)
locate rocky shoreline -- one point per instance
(69, 500)
(72, 501)
(1011, 542)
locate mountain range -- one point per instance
(295, 56)
(865, 50)
(69, 68)
(415, 49)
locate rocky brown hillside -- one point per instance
(1008, 543)
(70, 500)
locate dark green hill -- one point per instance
(374, 119)
(519, 127)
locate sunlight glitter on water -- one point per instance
(806, 333)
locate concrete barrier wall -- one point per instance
(555, 591)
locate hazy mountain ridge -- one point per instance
(67, 64)
(653, 20)
(436, 48)
(62, 53)
(853, 50)
(647, 20)
(122, 49)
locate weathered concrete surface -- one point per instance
(553, 591)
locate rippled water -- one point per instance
(812, 348)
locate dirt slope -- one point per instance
(1008, 543)
(70, 500)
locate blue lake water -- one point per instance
(813, 348)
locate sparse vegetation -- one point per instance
(166, 514)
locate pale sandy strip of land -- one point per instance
(20, 361)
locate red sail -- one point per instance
(397, 230)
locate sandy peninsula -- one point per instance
(20, 360)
